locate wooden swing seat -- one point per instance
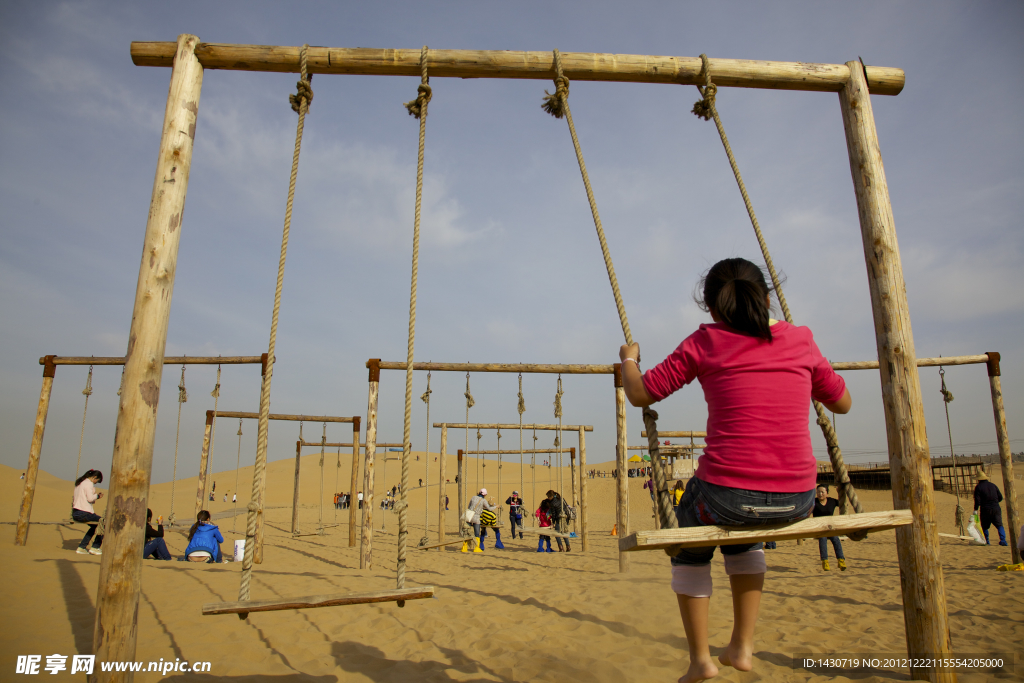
(814, 527)
(544, 531)
(308, 602)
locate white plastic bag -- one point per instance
(973, 532)
(469, 516)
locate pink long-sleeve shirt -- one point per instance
(85, 496)
(758, 395)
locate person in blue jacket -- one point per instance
(205, 536)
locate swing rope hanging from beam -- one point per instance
(960, 516)
(182, 398)
(706, 109)
(426, 469)
(87, 392)
(300, 104)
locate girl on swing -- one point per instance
(758, 376)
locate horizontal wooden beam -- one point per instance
(921, 362)
(311, 601)
(676, 435)
(525, 450)
(503, 367)
(277, 416)
(346, 445)
(814, 527)
(531, 427)
(579, 66)
(544, 531)
(443, 543)
(168, 360)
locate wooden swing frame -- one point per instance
(924, 602)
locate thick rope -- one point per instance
(533, 470)
(469, 404)
(426, 468)
(238, 464)
(260, 467)
(213, 433)
(499, 475)
(706, 110)
(87, 392)
(559, 110)
(182, 398)
(522, 473)
(422, 99)
(323, 446)
(559, 438)
(479, 481)
(947, 398)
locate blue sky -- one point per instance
(510, 268)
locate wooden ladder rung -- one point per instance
(814, 527)
(443, 543)
(544, 531)
(311, 601)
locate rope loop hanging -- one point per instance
(707, 109)
(557, 103)
(213, 432)
(418, 106)
(303, 96)
(403, 513)
(87, 392)
(960, 515)
(238, 463)
(522, 401)
(426, 469)
(182, 398)
(259, 477)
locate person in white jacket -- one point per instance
(478, 504)
(82, 511)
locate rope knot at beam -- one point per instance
(418, 107)
(303, 87)
(705, 107)
(554, 104)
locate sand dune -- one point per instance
(512, 615)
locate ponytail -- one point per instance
(735, 289)
(203, 516)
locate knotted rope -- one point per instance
(522, 409)
(499, 474)
(87, 392)
(238, 464)
(420, 112)
(558, 438)
(182, 398)
(706, 110)
(213, 433)
(663, 497)
(947, 398)
(260, 466)
(469, 404)
(426, 468)
(323, 448)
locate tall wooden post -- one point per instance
(621, 482)
(1005, 456)
(442, 494)
(366, 549)
(583, 490)
(117, 601)
(924, 600)
(572, 474)
(32, 471)
(461, 469)
(203, 457)
(295, 493)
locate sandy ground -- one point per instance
(511, 615)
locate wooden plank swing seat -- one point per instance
(244, 607)
(815, 527)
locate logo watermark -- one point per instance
(33, 665)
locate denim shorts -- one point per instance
(705, 504)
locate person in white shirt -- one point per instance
(82, 511)
(360, 497)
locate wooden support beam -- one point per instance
(347, 444)
(120, 575)
(204, 456)
(1005, 456)
(921, 362)
(577, 66)
(621, 482)
(366, 539)
(584, 523)
(312, 601)
(675, 435)
(28, 493)
(168, 360)
(545, 531)
(531, 427)
(442, 486)
(526, 451)
(441, 544)
(925, 614)
(287, 418)
(504, 367)
(295, 492)
(814, 527)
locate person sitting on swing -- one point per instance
(515, 513)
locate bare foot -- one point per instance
(699, 671)
(738, 658)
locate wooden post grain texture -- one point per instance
(366, 547)
(577, 66)
(28, 493)
(442, 492)
(584, 527)
(204, 456)
(295, 492)
(572, 476)
(1005, 456)
(120, 575)
(621, 482)
(924, 600)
